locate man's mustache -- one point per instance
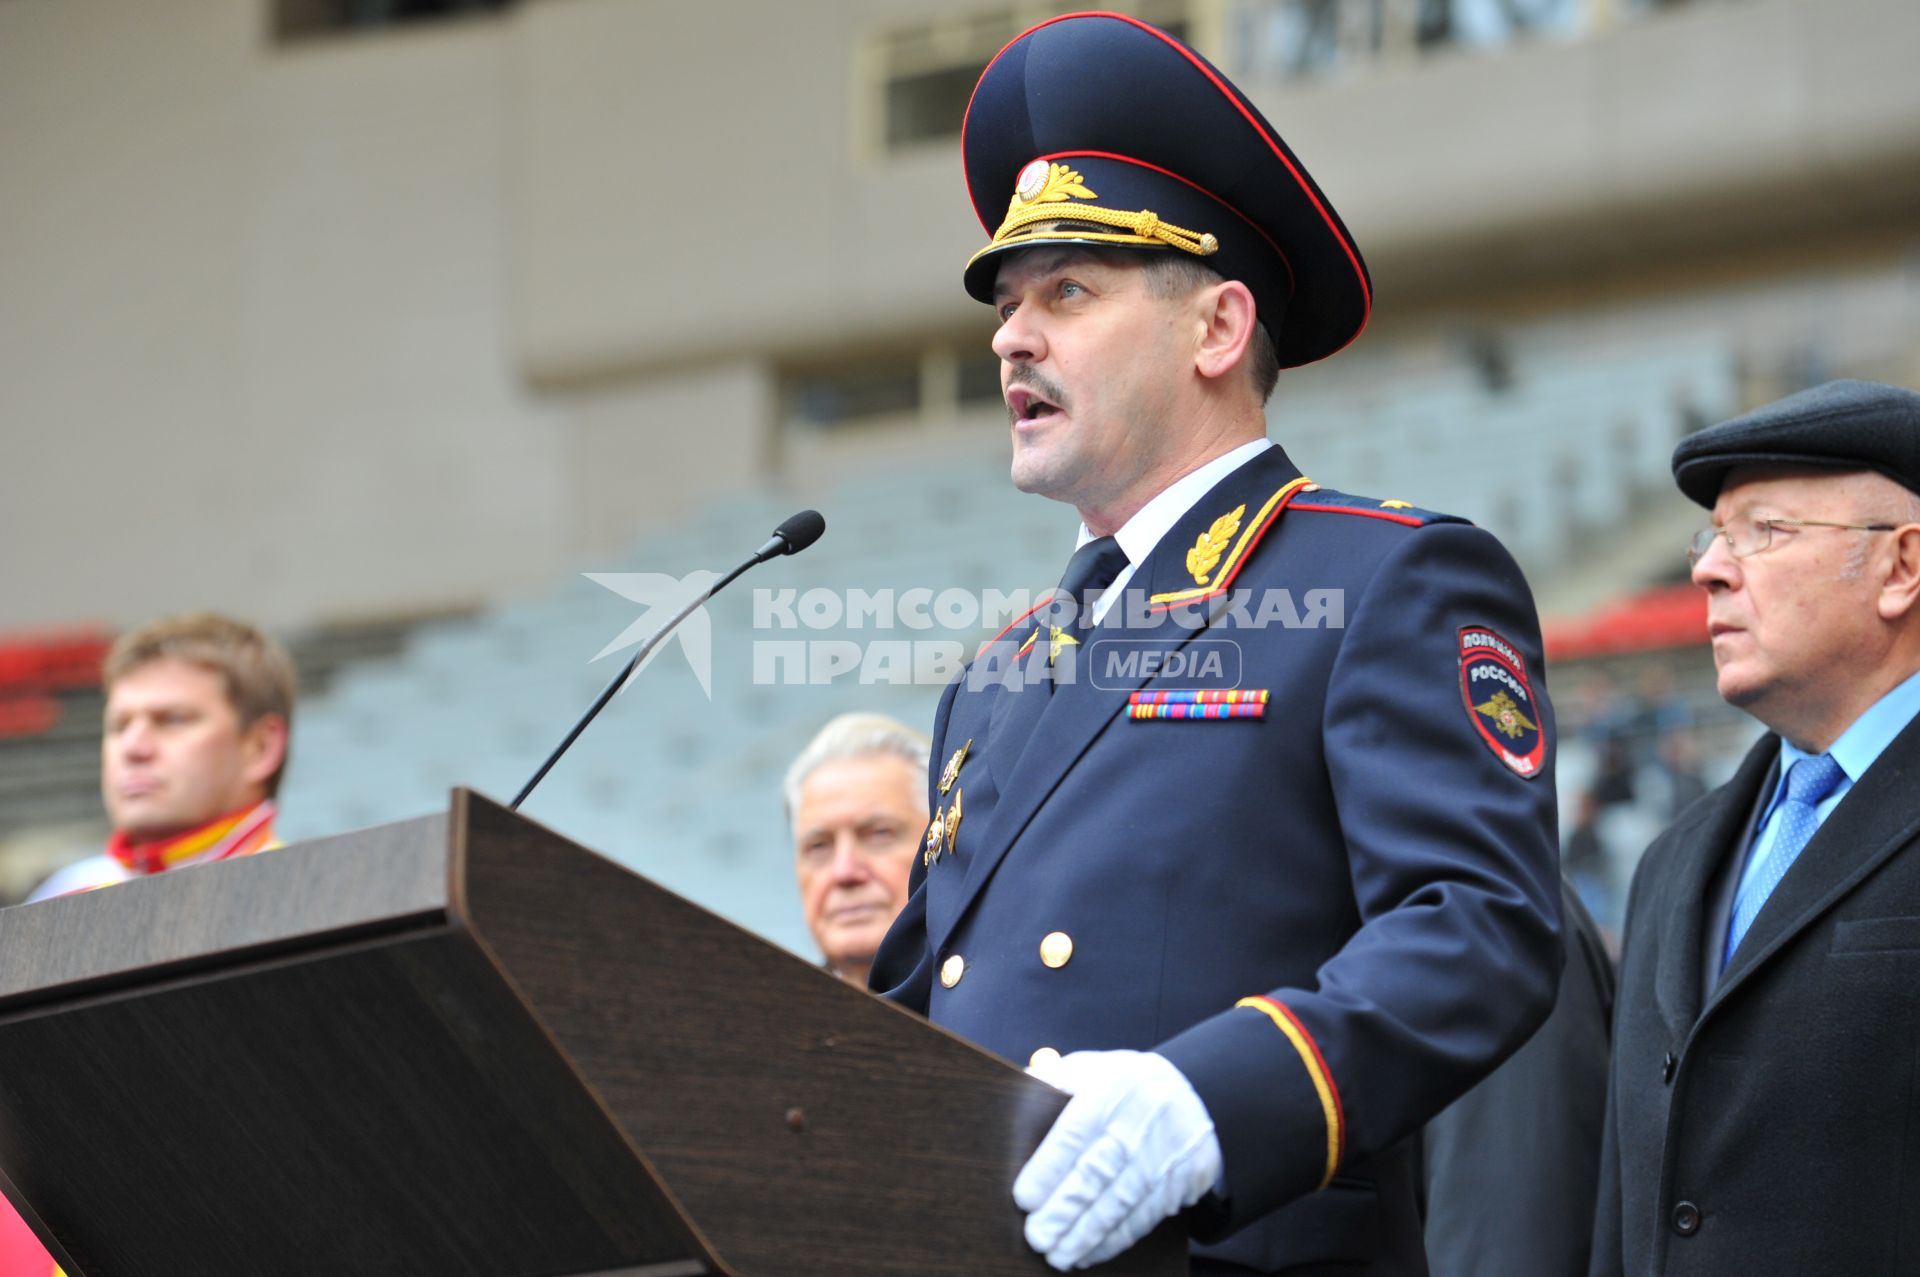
(1028, 375)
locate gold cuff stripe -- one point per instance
(1240, 548)
(1316, 1070)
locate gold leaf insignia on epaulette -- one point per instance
(1211, 544)
(1506, 715)
(1396, 505)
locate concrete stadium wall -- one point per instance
(391, 322)
(255, 320)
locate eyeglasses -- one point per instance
(1748, 537)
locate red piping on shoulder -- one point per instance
(1388, 515)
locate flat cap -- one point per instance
(1842, 425)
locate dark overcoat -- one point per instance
(1771, 1125)
(1513, 1166)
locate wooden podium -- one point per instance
(464, 1045)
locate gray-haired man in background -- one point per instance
(856, 800)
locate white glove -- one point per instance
(1133, 1146)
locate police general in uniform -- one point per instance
(1255, 854)
(1761, 1112)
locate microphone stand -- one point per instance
(791, 537)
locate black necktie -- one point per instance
(1091, 570)
(1093, 566)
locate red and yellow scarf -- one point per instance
(239, 833)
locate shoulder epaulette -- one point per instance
(1317, 500)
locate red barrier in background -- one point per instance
(36, 665)
(1665, 616)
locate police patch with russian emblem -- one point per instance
(1500, 701)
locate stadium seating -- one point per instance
(683, 784)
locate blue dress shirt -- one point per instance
(1855, 751)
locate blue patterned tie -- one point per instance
(1809, 782)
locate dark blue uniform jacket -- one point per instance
(1333, 918)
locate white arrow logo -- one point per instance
(662, 596)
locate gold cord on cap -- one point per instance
(1036, 211)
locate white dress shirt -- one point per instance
(1152, 521)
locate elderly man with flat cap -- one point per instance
(1245, 838)
(1762, 1112)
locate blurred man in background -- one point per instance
(192, 748)
(1760, 1113)
(856, 800)
(191, 754)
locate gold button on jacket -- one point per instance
(952, 969)
(1057, 949)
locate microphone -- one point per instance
(794, 535)
(791, 537)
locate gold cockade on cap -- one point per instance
(1046, 193)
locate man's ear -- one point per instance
(1901, 590)
(1227, 323)
(265, 745)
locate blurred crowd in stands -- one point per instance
(1640, 740)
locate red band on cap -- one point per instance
(1184, 181)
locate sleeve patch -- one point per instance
(1500, 702)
